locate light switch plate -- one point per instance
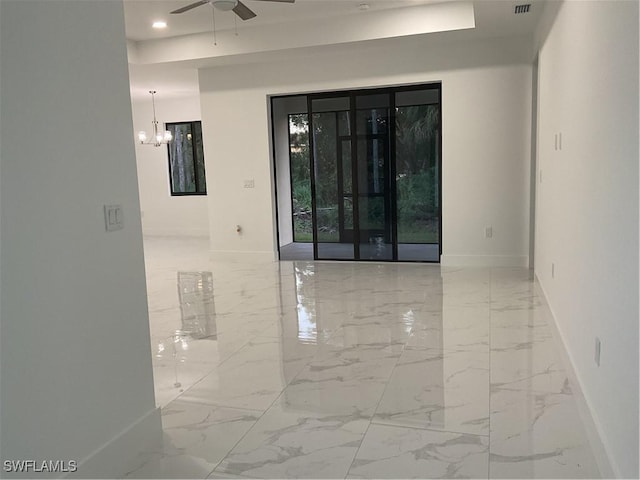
(113, 217)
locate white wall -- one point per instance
(587, 211)
(76, 379)
(163, 214)
(486, 89)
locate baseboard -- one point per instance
(125, 452)
(172, 232)
(484, 260)
(239, 256)
(608, 468)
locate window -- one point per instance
(186, 159)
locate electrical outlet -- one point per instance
(249, 183)
(488, 232)
(598, 349)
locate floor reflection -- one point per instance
(306, 308)
(184, 356)
(197, 306)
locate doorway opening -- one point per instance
(358, 174)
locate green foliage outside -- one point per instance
(326, 176)
(417, 207)
(416, 178)
(300, 178)
(416, 173)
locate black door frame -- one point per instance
(352, 94)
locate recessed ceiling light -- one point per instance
(159, 24)
(363, 6)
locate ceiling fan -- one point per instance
(239, 8)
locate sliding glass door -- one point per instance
(375, 174)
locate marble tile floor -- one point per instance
(355, 370)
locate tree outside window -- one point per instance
(186, 159)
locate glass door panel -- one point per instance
(329, 127)
(374, 177)
(417, 164)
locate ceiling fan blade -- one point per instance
(244, 12)
(189, 7)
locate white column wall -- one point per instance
(76, 379)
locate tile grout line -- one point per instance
(427, 429)
(210, 372)
(243, 436)
(260, 417)
(221, 406)
(374, 413)
(489, 403)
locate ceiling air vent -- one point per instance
(522, 8)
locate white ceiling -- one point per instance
(140, 14)
(177, 76)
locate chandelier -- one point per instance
(157, 138)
